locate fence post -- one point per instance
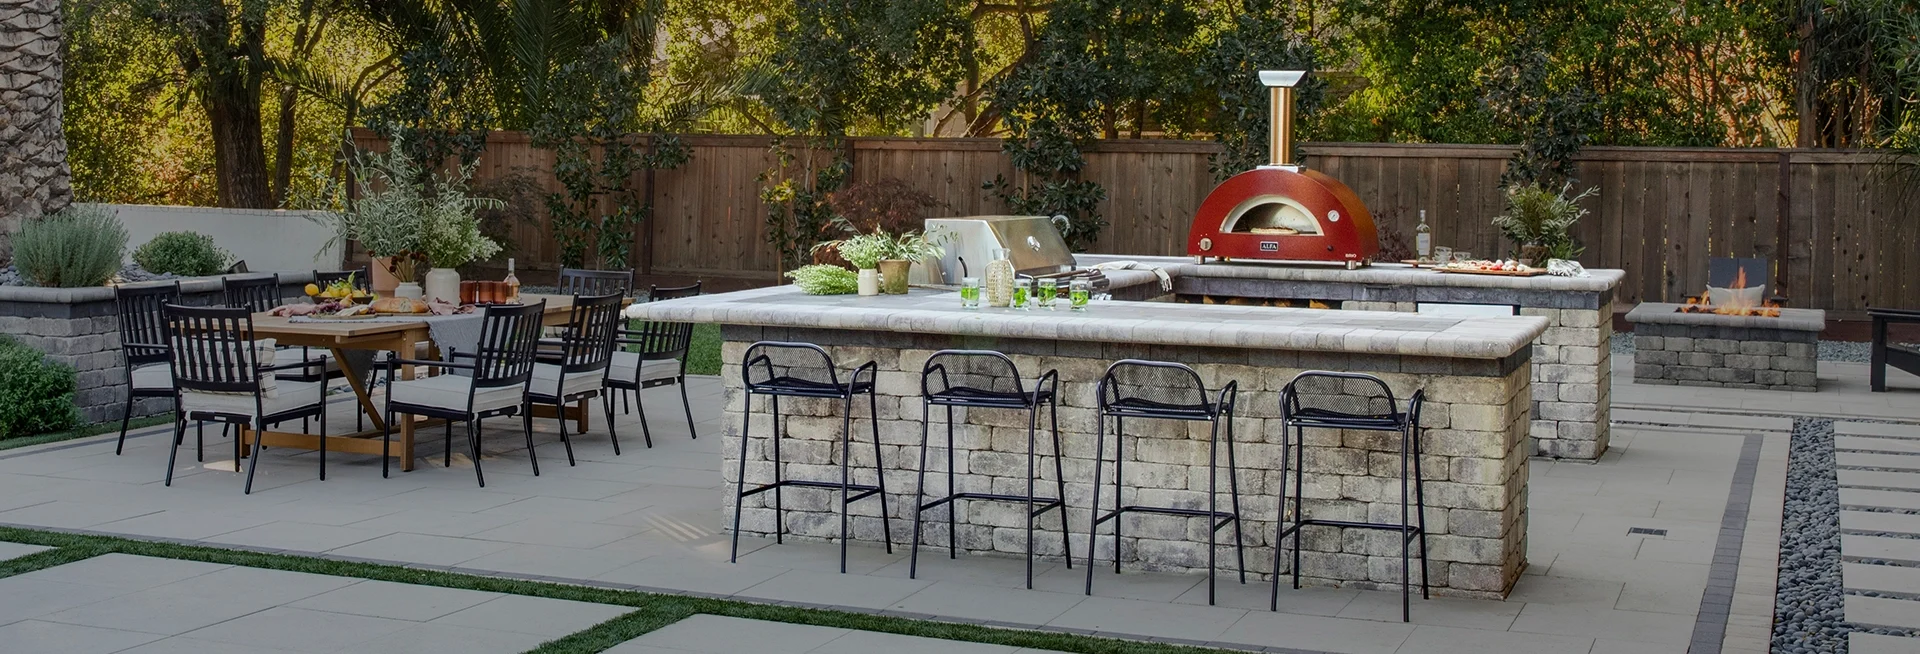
(1783, 227)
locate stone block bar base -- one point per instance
(1695, 349)
(1572, 363)
(1476, 373)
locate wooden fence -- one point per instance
(1660, 212)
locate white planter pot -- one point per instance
(443, 284)
(870, 281)
(413, 291)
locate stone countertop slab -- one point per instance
(1155, 323)
(1668, 313)
(1381, 274)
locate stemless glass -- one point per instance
(1442, 255)
(1022, 294)
(970, 293)
(1049, 289)
(1082, 291)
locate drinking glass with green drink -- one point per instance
(970, 293)
(1082, 291)
(1022, 294)
(1049, 289)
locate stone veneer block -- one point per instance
(1572, 361)
(1476, 421)
(1705, 349)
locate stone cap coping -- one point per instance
(929, 311)
(83, 294)
(1381, 274)
(1668, 313)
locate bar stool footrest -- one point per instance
(862, 491)
(1226, 517)
(1045, 503)
(1412, 531)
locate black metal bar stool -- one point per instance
(1218, 410)
(1294, 422)
(783, 372)
(987, 380)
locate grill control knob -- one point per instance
(1206, 244)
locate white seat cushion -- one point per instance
(292, 395)
(323, 356)
(153, 376)
(546, 377)
(625, 365)
(450, 392)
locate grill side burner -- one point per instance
(1282, 211)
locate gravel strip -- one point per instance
(1808, 612)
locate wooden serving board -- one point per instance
(1530, 272)
(363, 316)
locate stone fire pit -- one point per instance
(1708, 349)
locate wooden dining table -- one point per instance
(403, 340)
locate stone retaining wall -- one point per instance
(79, 327)
(1476, 419)
(1766, 358)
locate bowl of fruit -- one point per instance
(341, 291)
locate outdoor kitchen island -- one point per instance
(1475, 372)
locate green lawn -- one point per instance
(703, 355)
(651, 611)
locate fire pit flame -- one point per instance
(1738, 304)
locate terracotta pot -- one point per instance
(893, 276)
(383, 281)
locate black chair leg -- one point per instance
(125, 418)
(846, 474)
(919, 494)
(1093, 522)
(1060, 480)
(606, 401)
(323, 442)
(646, 432)
(179, 435)
(446, 444)
(253, 461)
(1233, 490)
(1033, 420)
(688, 406)
(386, 447)
(1420, 505)
(740, 480)
(560, 409)
(200, 446)
(953, 504)
(880, 473)
(526, 426)
(1280, 521)
(473, 448)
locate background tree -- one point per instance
(34, 179)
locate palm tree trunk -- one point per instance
(34, 178)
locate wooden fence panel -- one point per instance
(1659, 215)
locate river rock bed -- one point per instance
(1809, 607)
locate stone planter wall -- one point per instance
(79, 327)
(1476, 459)
(1726, 351)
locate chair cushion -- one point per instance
(628, 366)
(450, 392)
(546, 377)
(321, 357)
(293, 395)
(153, 376)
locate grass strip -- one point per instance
(652, 610)
(703, 353)
(96, 429)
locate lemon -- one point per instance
(312, 290)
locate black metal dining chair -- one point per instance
(984, 379)
(805, 370)
(1296, 419)
(573, 366)
(654, 354)
(261, 293)
(224, 375)
(1123, 394)
(495, 383)
(143, 348)
(577, 281)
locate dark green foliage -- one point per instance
(1551, 118)
(80, 246)
(36, 395)
(1263, 37)
(188, 254)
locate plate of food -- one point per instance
(399, 306)
(1507, 268)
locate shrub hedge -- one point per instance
(36, 395)
(188, 254)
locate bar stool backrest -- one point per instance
(360, 279)
(1162, 382)
(587, 345)
(255, 294)
(212, 349)
(663, 340)
(508, 338)
(767, 361)
(577, 281)
(1339, 384)
(984, 370)
(143, 327)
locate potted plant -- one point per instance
(450, 233)
(908, 249)
(1540, 222)
(386, 219)
(865, 252)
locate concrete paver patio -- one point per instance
(651, 519)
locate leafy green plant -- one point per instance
(81, 245)
(864, 251)
(823, 279)
(186, 253)
(36, 395)
(917, 247)
(1537, 216)
(412, 215)
(449, 229)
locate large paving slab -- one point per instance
(17, 550)
(711, 634)
(113, 602)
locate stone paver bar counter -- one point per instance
(1572, 364)
(1476, 373)
(1707, 349)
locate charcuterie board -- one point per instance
(1530, 272)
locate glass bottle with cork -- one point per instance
(513, 285)
(1423, 239)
